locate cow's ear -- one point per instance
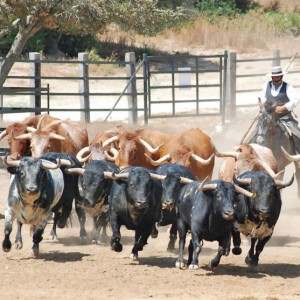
(12, 170)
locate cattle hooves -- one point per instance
(180, 265)
(236, 250)
(250, 262)
(193, 267)
(118, 247)
(18, 245)
(35, 250)
(154, 233)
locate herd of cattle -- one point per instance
(140, 179)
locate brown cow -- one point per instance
(20, 148)
(192, 149)
(59, 136)
(247, 157)
(133, 145)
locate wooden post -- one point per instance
(84, 88)
(132, 97)
(276, 58)
(35, 72)
(230, 104)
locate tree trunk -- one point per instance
(16, 49)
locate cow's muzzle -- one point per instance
(228, 215)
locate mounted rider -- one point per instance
(280, 98)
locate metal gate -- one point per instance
(183, 86)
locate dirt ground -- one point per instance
(67, 269)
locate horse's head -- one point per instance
(266, 126)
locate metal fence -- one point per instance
(155, 87)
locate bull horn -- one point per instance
(111, 157)
(30, 129)
(120, 175)
(289, 156)
(109, 175)
(281, 184)
(3, 134)
(78, 171)
(25, 136)
(202, 160)
(82, 152)
(241, 181)
(56, 136)
(185, 180)
(51, 165)
(159, 161)
(110, 140)
(157, 176)
(66, 162)
(233, 154)
(10, 163)
(269, 169)
(200, 188)
(149, 147)
(39, 124)
(243, 191)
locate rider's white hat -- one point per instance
(276, 71)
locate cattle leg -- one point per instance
(253, 258)
(182, 237)
(194, 250)
(18, 239)
(53, 234)
(100, 222)
(9, 219)
(224, 247)
(37, 238)
(154, 232)
(236, 238)
(172, 237)
(116, 234)
(81, 218)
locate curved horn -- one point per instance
(66, 162)
(149, 147)
(269, 169)
(157, 176)
(233, 154)
(3, 134)
(202, 184)
(30, 129)
(82, 152)
(10, 163)
(25, 136)
(243, 191)
(110, 140)
(39, 124)
(241, 181)
(159, 161)
(289, 156)
(78, 171)
(282, 184)
(50, 165)
(56, 136)
(111, 157)
(202, 160)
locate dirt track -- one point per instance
(68, 270)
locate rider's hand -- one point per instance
(280, 109)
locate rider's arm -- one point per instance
(294, 99)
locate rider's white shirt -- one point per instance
(290, 91)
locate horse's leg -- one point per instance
(297, 172)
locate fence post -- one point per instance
(132, 97)
(145, 79)
(84, 88)
(35, 72)
(231, 87)
(276, 57)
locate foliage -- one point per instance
(218, 7)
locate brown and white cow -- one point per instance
(59, 136)
(247, 157)
(20, 148)
(192, 149)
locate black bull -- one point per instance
(274, 132)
